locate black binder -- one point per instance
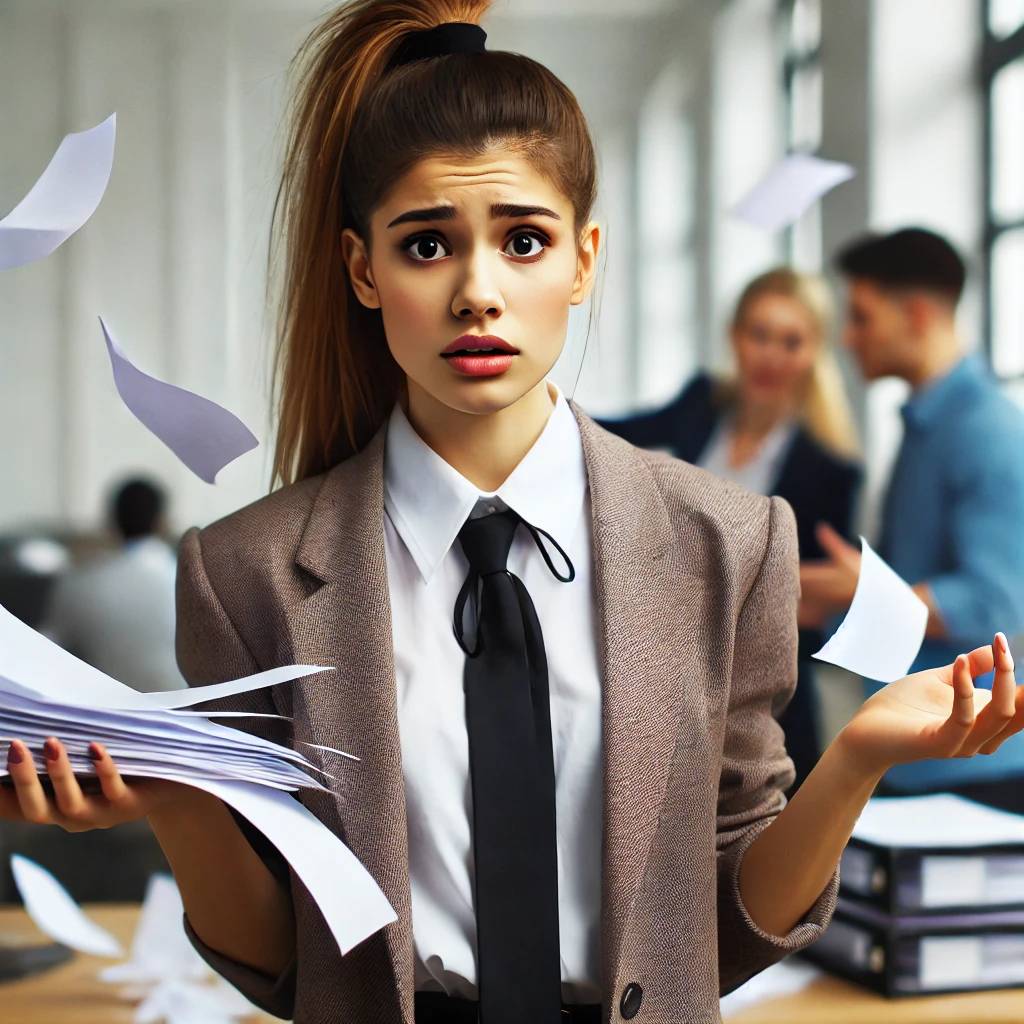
(924, 880)
(924, 954)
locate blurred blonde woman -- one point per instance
(780, 425)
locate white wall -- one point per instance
(173, 258)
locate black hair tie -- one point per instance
(451, 37)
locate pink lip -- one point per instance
(492, 364)
(471, 341)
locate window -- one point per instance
(1003, 258)
(800, 32)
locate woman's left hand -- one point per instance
(939, 713)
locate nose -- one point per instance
(478, 295)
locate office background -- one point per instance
(690, 102)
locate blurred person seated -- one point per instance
(781, 426)
(953, 517)
(116, 612)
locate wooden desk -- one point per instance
(830, 1000)
(72, 993)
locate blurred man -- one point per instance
(953, 518)
(118, 613)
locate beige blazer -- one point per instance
(695, 587)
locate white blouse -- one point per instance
(758, 474)
(426, 502)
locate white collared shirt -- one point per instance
(426, 503)
(760, 473)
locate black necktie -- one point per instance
(508, 718)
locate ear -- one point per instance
(357, 260)
(586, 263)
(918, 310)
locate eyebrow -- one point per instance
(498, 211)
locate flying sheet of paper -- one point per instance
(164, 974)
(56, 914)
(939, 820)
(160, 948)
(884, 628)
(63, 199)
(29, 658)
(203, 435)
(789, 189)
(183, 1002)
(347, 896)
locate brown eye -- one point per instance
(522, 244)
(426, 249)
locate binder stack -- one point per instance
(931, 899)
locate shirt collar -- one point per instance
(931, 402)
(428, 500)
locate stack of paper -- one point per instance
(45, 691)
(158, 744)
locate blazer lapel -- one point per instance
(645, 603)
(346, 622)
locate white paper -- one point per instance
(884, 628)
(56, 914)
(349, 899)
(160, 948)
(778, 980)
(29, 658)
(45, 690)
(152, 744)
(164, 974)
(950, 961)
(954, 882)
(937, 821)
(789, 189)
(63, 199)
(205, 436)
(183, 1002)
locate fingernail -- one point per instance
(1001, 640)
(94, 752)
(51, 750)
(13, 755)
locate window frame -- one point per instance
(794, 61)
(996, 53)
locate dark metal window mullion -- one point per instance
(996, 54)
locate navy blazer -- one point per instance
(820, 485)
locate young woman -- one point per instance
(575, 794)
(781, 425)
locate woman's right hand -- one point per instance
(71, 808)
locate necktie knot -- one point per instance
(486, 541)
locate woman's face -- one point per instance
(474, 264)
(776, 342)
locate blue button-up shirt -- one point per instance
(954, 518)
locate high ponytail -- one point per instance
(356, 128)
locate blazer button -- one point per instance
(632, 997)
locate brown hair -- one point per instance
(356, 128)
(825, 409)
